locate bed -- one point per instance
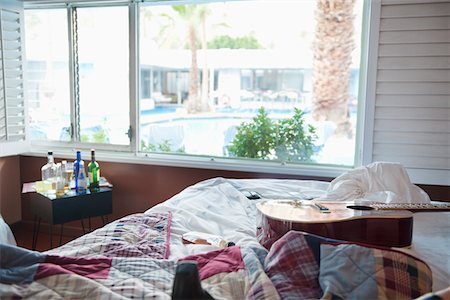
(137, 256)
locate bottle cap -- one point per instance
(50, 152)
(229, 244)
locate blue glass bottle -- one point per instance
(79, 174)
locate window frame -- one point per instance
(74, 118)
(131, 153)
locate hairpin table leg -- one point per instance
(37, 224)
(60, 234)
(82, 225)
(51, 236)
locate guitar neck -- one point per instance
(414, 207)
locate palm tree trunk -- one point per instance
(193, 99)
(333, 46)
(205, 70)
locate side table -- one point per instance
(71, 206)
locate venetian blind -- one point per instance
(412, 101)
(12, 103)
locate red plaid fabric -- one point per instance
(401, 275)
(355, 271)
(292, 268)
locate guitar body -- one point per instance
(363, 225)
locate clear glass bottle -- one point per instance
(49, 173)
(93, 172)
(49, 169)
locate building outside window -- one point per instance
(212, 77)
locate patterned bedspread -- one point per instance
(128, 259)
(137, 235)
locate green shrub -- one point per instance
(165, 146)
(99, 136)
(228, 42)
(284, 140)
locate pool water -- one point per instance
(209, 134)
(200, 136)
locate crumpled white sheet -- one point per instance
(384, 182)
(6, 236)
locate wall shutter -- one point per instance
(12, 102)
(412, 93)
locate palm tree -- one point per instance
(333, 47)
(194, 17)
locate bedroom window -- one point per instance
(208, 69)
(103, 74)
(47, 65)
(275, 81)
(99, 112)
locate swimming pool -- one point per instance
(199, 136)
(208, 134)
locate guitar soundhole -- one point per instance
(360, 207)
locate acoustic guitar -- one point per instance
(375, 224)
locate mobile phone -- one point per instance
(252, 195)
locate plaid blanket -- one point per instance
(137, 235)
(121, 265)
(306, 266)
(231, 273)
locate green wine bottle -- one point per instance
(93, 172)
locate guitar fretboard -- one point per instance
(412, 206)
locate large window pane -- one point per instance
(103, 59)
(208, 69)
(47, 86)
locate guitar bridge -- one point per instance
(322, 208)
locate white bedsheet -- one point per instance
(6, 236)
(218, 207)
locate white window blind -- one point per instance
(412, 94)
(12, 102)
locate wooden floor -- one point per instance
(23, 232)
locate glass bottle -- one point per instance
(48, 172)
(82, 180)
(49, 169)
(79, 174)
(93, 172)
